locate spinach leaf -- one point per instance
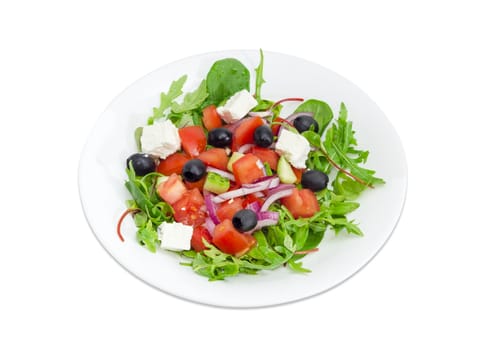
(225, 78)
(321, 112)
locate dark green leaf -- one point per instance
(225, 78)
(321, 112)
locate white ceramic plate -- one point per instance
(103, 195)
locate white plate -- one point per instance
(103, 195)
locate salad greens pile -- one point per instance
(334, 152)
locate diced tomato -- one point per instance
(247, 169)
(211, 118)
(301, 203)
(250, 198)
(298, 173)
(244, 132)
(215, 157)
(172, 189)
(172, 164)
(227, 210)
(190, 208)
(277, 124)
(199, 233)
(230, 241)
(198, 184)
(266, 155)
(193, 140)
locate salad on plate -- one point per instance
(225, 179)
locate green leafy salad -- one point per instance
(227, 181)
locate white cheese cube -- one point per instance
(175, 236)
(237, 106)
(294, 147)
(160, 139)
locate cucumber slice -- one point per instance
(216, 184)
(234, 157)
(285, 171)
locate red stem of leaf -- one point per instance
(345, 171)
(289, 99)
(120, 221)
(302, 252)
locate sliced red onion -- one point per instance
(222, 173)
(247, 189)
(245, 148)
(211, 210)
(255, 206)
(259, 194)
(267, 181)
(281, 187)
(268, 215)
(272, 198)
(209, 225)
(267, 218)
(261, 114)
(293, 116)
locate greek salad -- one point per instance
(227, 181)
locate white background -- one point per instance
(61, 63)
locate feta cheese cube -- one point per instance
(160, 139)
(294, 147)
(175, 236)
(237, 106)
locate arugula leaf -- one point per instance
(192, 100)
(147, 236)
(225, 78)
(321, 112)
(167, 99)
(259, 81)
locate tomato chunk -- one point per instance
(266, 155)
(211, 118)
(248, 169)
(298, 173)
(215, 157)
(198, 184)
(172, 189)
(230, 241)
(301, 203)
(199, 233)
(172, 164)
(190, 208)
(227, 209)
(244, 132)
(193, 140)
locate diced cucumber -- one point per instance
(285, 171)
(216, 184)
(234, 157)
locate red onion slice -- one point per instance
(247, 189)
(272, 198)
(222, 173)
(211, 210)
(267, 181)
(268, 215)
(255, 206)
(245, 148)
(209, 225)
(293, 116)
(281, 187)
(261, 114)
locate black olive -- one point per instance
(304, 122)
(263, 136)
(314, 180)
(219, 137)
(142, 163)
(245, 220)
(193, 170)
